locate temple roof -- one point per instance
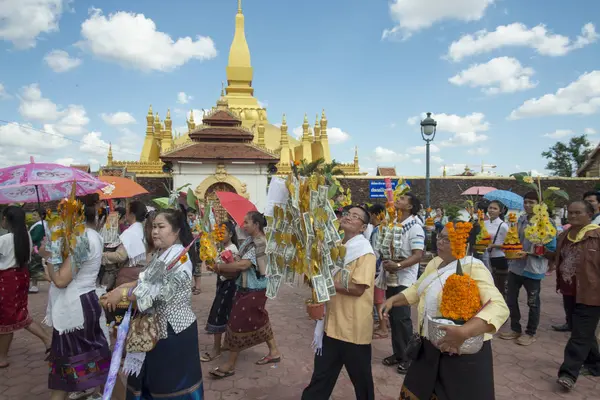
(222, 151)
(386, 171)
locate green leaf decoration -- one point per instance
(162, 202)
(191, 199)
(561, 193)
(520, 177)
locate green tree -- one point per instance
(566, 159)
(320, 166)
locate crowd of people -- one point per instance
(155, 268)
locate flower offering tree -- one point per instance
(483, 239)
(512, 246)
(304, 240)
(540, 230)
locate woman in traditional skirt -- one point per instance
(221, 307)
(15, 253)
(442, 373)
(171, 370)
(37, 233)
(248, 323)
(80, 357)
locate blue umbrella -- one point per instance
(511, 200)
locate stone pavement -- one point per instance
(521, 373)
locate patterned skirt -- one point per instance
(80, 360)
(438, 376)
(221, 307)
(14, 289)
(249, 323)
(171, 370)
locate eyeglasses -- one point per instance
(354, 217)
(443, 239)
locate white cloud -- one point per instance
(580, 97)
(559, 133)
(67, 162)
(479, 151)
(35, 107)
(413, 15)
(22, 21)
(118, 118)
(263, 104)
(15, 137)
(132, 40)
(437, 159)
(92, 143)
(416, 161)
(67, 121)
(422, 149)
(60, 61)
(465, 129)
(453, 169)
(518, 35)
(499, 75)
(590, 131)
(387, 156)
(3, 93)
(183, 98)
(337, 136)
(535, 172)
(198, 115)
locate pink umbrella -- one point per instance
(44, 182)
(478, 190)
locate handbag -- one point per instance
(143, 334)
(415, 344)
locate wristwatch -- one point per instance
(399, 265)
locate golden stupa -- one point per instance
(239, 93)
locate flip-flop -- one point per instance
(218, 374)
(268, 360)
(207, 358)
(196, 291)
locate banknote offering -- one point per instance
(320, 287)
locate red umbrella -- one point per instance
(478, 190)
(236, 205)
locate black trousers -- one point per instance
(401, 324)
(532, 288)
(569, 306)
(582, 347)
(500, 273)
(337, 354)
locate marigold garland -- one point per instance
(460, 298)
(459, 234)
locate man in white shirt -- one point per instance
(406, 268)
(593, 197)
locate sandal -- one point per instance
(206, 357)
(566, 382)
(218, 374)
(196, 291)
(390, 361)
(268, 360)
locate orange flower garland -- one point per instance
(458, 235)
(460, 298)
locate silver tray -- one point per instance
(435, 334)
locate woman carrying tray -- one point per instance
(437, 372)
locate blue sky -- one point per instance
(505, 79)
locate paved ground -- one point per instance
(521, 373)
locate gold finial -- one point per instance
(156, 118)
(356, 152)
(317, 120)
(284, 120)
(239, 6)
(323, 115)
(168, 114)
(191, 115)
(222, 89)
(305, 118)
(110, 154)
(150, 110)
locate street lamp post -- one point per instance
(428, 128)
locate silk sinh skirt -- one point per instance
(249, 323)
(14, 289)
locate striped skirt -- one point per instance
(80, 360)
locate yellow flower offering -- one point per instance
(540, 230)
(460, 298)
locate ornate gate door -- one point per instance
(211, 195)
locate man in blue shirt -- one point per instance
(528, 272)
